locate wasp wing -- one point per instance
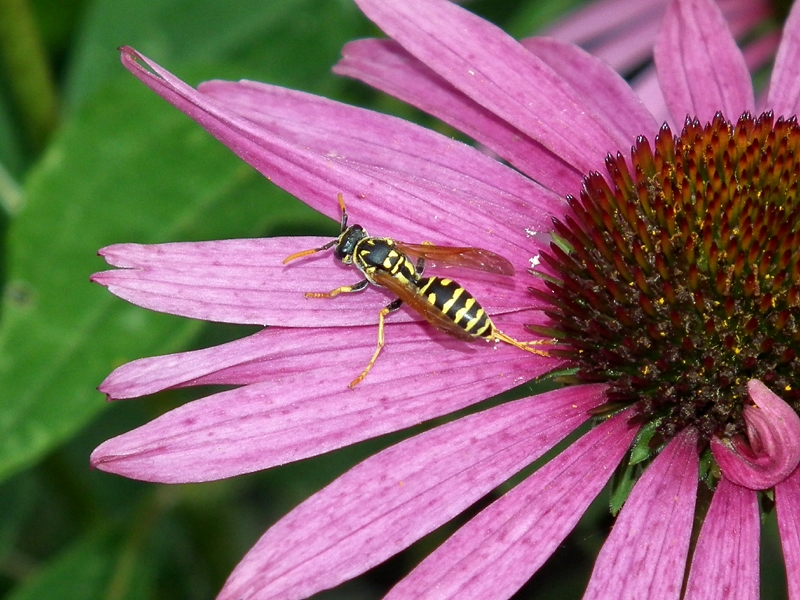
(411, 296)
(469, 258)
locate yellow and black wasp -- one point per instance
(444, 303)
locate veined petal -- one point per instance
(494, 70)
(245, 281)
(787, 505)
(514, 536)
(699, 65)
(385, 65)
(596, 25)
(461, 193)
(772, 451)
(277, 352)
(395, 497)
(301, 412)
(645, 554)
(784, 87)
(727, 547)
(390, 198)
(605, 92)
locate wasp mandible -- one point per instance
(442, 302)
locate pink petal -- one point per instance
(699, 65)
(645, 554)
(395, 497)
(787, 505)
(727, 547)
(773, 448)
(297, 412)
(596, 23)
(499, 74)
(276, 352)
(514, 536)
(784, 87)
(461, 192)
(384, 65)
(648, 88)
(404, 203)
(245, 281)
(604, 91)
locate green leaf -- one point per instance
(128, 168)
(287, 42)
(90, 569)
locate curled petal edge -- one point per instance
(772, 449)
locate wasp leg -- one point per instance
(499, 335)
(381, 317)
(344, 289)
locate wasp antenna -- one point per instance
(340, 198)
(303, 253)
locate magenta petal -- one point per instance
(699, 65)
(603, 90)
(773, 448)
(495, 71)
(432, 181)
(787, 505)
(727, 547)
(471, 183)
(784, 87)
(245, 281)
(395, 497)
(300, 412)
(385, 65)
(645, 554)
(516, 534)
(277, 352)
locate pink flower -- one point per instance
(623, 34)
(670, 289)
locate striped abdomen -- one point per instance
(458, 305)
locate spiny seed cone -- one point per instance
(675, 279)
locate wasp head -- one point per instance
(346, 243)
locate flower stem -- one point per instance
(30, 78)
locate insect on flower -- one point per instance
(390, 264)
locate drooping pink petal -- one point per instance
(399, 201)
(496, 202)
(727, 547)
(701, 69)
(384, 65)
(245, 281)
(493, 69)
(772, 450)
(395, 497)
(787, 506)
(300, 412)
(619, 32)
(784, 86)
(516, 534)
(593, 23)
(645, 554)
(276, 352)
(604, 91)
(757, 53)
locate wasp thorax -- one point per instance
(677, 276)
(347, 241)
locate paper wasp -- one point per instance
(442, 302)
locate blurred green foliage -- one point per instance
(124, 166)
